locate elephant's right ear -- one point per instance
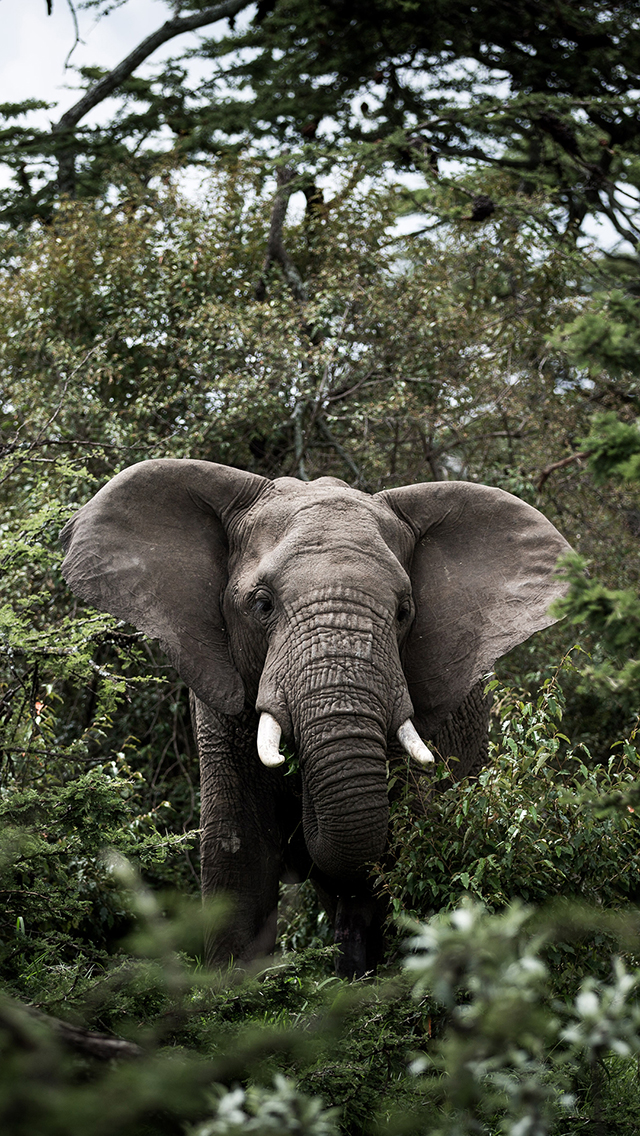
(151, 548)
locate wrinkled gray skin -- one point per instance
(341, 615)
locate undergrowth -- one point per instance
(515, 1009)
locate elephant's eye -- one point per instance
(262, 603)
(404, 610)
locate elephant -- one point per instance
(350, 626)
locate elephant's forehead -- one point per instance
(322, 515)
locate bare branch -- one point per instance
(276, 252)
(559, 465)
(110, 82)
(92, 1044)
(38, 440)
(169, 30)
(14, 1017)
(325, 382)
(76, 31)
(339, 448)
(430, 453)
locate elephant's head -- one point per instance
(340, 616)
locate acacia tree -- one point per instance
(543, 91)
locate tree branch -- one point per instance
(110, 82)
(90, 1043)
(559, 465)
(14, 1017)
(169, 30)
(276, 252)
(430, 454)
(298, 438)
(321, 425)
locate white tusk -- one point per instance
(269, 740)
(413, 744)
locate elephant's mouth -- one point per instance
(270, 732)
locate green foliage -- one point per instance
(263, 1111)
(527, 828)
(613, 448)
(545, 95)
(472, 1038)
(303, 923)
(606, 335)
(197, 1031)
(60, 892)
(512, 1058)
(611, 614)
(131, 330)
(66, 791)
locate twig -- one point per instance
(28, 752)
(76, 30)
(38, 439)
(559, 465)
(325, 382)
(345, 392)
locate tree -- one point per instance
(543, 92)
(62, 144)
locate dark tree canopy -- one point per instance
(541, 90)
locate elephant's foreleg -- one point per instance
(240, 837)
(358, 931)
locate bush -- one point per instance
(530, 827)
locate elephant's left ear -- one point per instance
(483, 576)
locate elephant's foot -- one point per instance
(358, 931)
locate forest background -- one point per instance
(325, 239)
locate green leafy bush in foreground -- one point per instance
(509, 1014)
(60, 895)
(532, 826)
(497, 1050)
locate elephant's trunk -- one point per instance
(334, 683)
(345, 805)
